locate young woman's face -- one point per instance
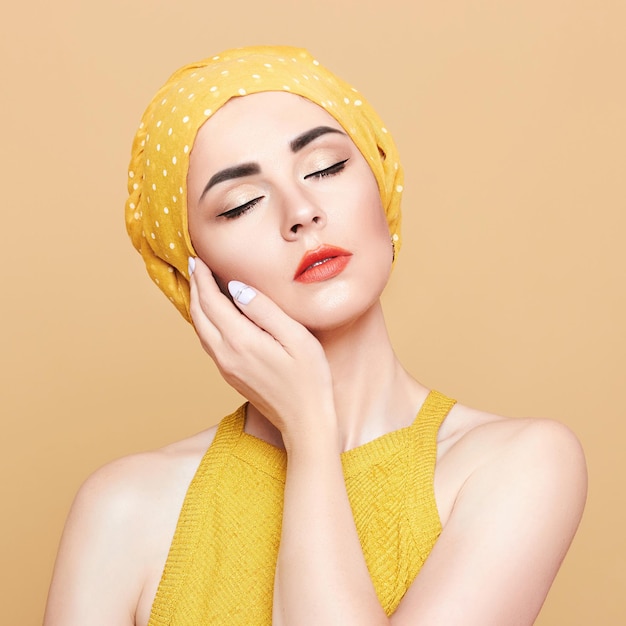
(280, 198)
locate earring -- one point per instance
(394, 238)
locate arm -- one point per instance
(494, 563)
(321, 575)
(95, 578)
(509, 530)
(282, 370)
(512, 523)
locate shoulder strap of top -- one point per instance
(425, 429)
(192, 518)
(434, 410)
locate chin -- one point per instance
(339, 308)
(336, 325)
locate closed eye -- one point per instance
(240, 210)
(329, 171)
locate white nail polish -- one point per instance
(191, 265)
(241, 292)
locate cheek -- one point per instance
(370, 204)
(372, 221)
(214, 251)
(243, 258)
(224, 263)
(376, 241)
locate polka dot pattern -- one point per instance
(157, 173)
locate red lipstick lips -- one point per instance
(321, 264)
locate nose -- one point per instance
(301, 214)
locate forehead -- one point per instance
(256, 121)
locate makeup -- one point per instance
(321, 264)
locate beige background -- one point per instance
(509, 294)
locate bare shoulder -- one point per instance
(468, 423)
(475, 444)
(139, 475)
(490, 436)
(137, 486)
(118, 533)
(510, 493)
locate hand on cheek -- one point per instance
(268, 357)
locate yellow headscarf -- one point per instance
(156, 209)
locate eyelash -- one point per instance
(240, 210)
(329, 171)
(333, 170)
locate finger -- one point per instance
(267, 315)
(207, 332)
(213, 304)
(218, 320)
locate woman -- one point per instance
(264, 198)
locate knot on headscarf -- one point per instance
(156, 209)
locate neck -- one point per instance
(373, 393)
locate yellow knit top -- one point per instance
(220, 568)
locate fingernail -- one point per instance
(241, 292)
(191, 265)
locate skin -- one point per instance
(510, 492)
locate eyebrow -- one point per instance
(247, 169)
(237, 171)
(307, 137)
